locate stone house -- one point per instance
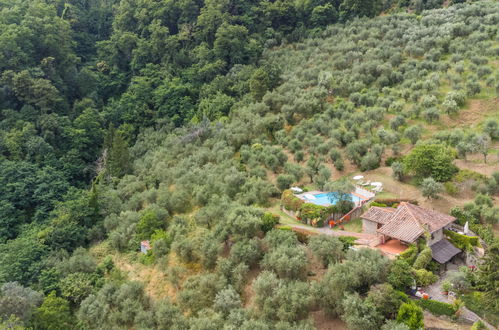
(407, 223)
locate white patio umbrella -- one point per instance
(379, 184)
(466, 228)
(358, 177)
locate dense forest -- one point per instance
(182, 123)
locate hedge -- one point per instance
(290, 201)
(391, 201)
(462, 242)
(378, 204)
(437, 307)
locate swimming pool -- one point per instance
(323, 199)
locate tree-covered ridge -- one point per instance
(213, 97)
(70, 70)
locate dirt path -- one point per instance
(434, 322)
(362, 239)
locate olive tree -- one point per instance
(328, 249)
(18, 301)
(431, 188)
(397, 170)
(360, 314)
(413, 133)
(481, 145)
(286, 261)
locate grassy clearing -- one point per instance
(354, 225)
(284, 218)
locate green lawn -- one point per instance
(354, 225)
(285, 219)
(385, 194)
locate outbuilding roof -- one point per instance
(443, 251)
(378, 214)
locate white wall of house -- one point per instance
(369, 227)
(436, 236)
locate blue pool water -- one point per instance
(323, 199)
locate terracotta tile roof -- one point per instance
(402, 226)
(443, 251)
(410, 221)
(378, 214)
(433, 219)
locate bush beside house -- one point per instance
(462, 242)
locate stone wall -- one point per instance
(369, 227)
(437, 236)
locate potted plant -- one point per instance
(446, 287)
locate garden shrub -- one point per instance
(425, 277)
(314, 214)
(402, 296)
(486, 232)
(269, 220)
(410, 254)
(347, 241)
(423, 258)
(290, 201)
(479, 325)
(451, 188)
(390, 160)
(411, 315)
(378, 204)
(437, 307)
(466, 174)
(462, 242)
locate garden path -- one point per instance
(435, 292)
(362, 238)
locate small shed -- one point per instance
(145, 246)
